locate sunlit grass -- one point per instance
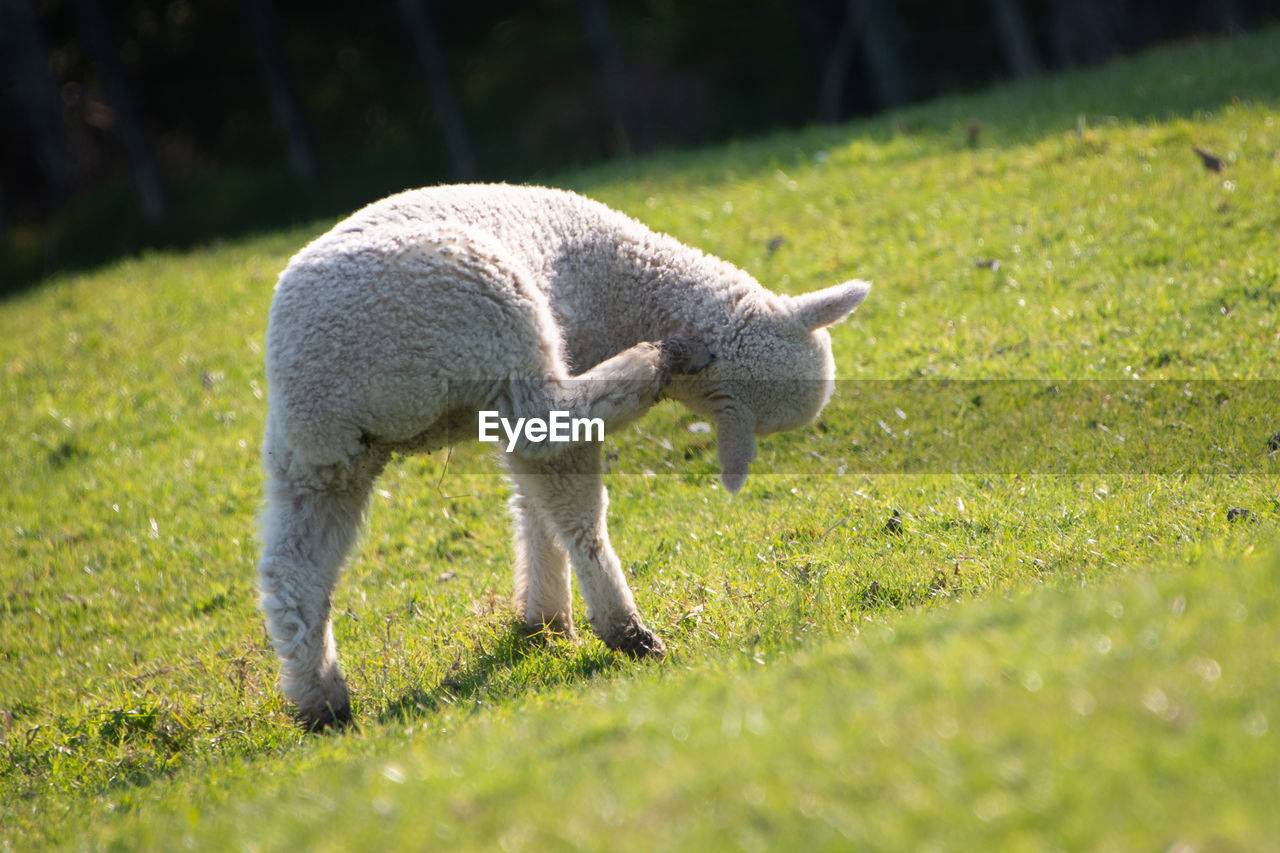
(1134, 715)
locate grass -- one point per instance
(1011, 668)
(976, 727)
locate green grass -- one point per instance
(1136, 716)
(831, 683)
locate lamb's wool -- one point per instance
(393, 330)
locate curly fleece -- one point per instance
(394, 329)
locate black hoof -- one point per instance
(637, 641)
(326, 719)
(558, 627)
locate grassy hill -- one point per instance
(1077, 653)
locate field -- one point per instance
(1050, 626)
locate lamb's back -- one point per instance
(534, 226)
(411, 292)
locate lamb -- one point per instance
(392, 331)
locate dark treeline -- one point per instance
(100, 93)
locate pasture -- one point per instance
(1062, 635)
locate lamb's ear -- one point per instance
(736, 446)
(830, 305)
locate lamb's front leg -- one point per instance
(624, 387)
(569, 494)
(542, 593)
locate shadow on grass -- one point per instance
(499, 667)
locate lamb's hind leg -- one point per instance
(307, 530)
(568, 492)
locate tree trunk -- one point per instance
(102, 49)
(1015, 38)
(601, 36)
(871, 25)
(264, 32)
(836, 72)
(25, 57)
(1083, 31)
(427, 49)
(882, 40)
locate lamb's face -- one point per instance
(774, 373)
(792, 394)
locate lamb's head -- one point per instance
(773, 371)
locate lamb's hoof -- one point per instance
(558, 627)
(683, 356)
(325, 718)
(637, 641)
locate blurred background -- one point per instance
(130, 124)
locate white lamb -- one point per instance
(393, 330)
